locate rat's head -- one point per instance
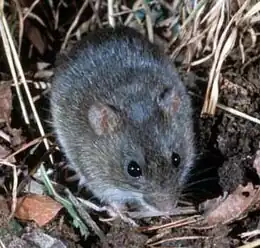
(146, 148)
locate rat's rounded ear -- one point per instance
(169, 101)
(103, 118)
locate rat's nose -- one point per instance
(161, 202)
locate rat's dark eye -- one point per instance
(176, 159)
(133, 169)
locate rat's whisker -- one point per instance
(196, 173)
(194, 193)
(208, 179)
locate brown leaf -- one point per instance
(233, 207)
(5, 102)
(35, 36)
(38, 208)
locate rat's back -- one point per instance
(105, 54)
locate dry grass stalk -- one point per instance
(2, 245)
(165, 229)
(224, 47)
(233, 111)
(178, 223)
(17, 72)
(74, 24)
(136, 5)
(149, 23)
(110, 10)
(211, 35)
(176, 239)
(5, 35)
(253, 244)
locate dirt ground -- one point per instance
(226, 149)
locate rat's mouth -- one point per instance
(157, 205)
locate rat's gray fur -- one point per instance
(120, 68)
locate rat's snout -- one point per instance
(162, 202)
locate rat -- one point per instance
(124, 120)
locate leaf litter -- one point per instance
(39, 208)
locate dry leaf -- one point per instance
(43, 74)
(38, 208)
(42, 65)
(5, 102)
(233, 207)
(35, 36)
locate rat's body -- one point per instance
(121, 113)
